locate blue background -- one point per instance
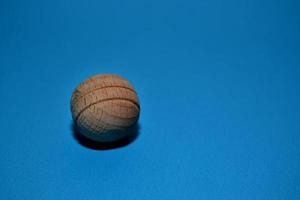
(218, 83)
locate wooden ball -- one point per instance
(104, 107)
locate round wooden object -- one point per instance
(104, 107)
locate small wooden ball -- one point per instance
(104, 106)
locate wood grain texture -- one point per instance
(104, 106)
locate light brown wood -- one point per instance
(104, 106)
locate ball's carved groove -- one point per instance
(100, 88)
(104, 107)
(104, 100)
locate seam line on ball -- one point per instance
(110, 124)
(103, 100)
(100, 88)
(116, 116)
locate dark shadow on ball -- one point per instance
(131, 134)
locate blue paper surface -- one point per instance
(218, 83)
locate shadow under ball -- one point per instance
(104, 107)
